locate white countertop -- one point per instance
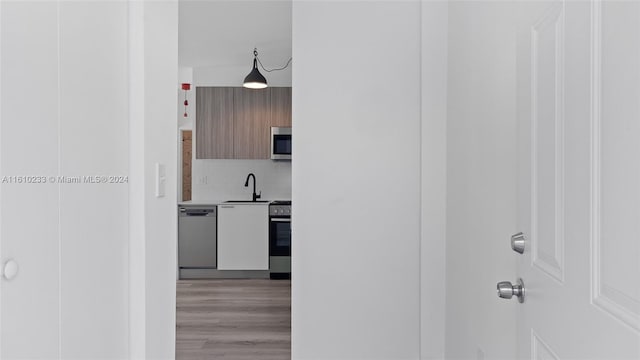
(224, 202)
(246, 203)
(206, 202)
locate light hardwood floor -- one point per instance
(233, 319)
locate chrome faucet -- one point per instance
(246, 184)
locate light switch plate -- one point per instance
(160, 180)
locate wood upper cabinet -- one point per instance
(214, 123)
(251, 125)
(235, 123)
(280, 106)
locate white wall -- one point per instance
(356, 180)
(93, 133)
(481, 179)
(234, 75)
(434, 179)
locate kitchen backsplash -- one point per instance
(224, 179)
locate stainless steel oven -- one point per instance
(280, 239)
(281, 143)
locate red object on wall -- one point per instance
(186, 87)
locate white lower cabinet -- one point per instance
(243, 237)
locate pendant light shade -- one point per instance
(255, 80)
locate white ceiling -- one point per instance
(224, 32)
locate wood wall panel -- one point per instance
(186, 165)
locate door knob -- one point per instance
(517, 242)
(10, 269)
(507, 290)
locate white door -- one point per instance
(29, 146)
(579, 179)
(63, 113)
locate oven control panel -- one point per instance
(279, 210)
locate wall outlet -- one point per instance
(202, 180)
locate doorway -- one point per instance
(231, 307)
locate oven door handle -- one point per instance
(281, 219)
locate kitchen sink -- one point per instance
(247, 201)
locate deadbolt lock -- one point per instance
(517, 243)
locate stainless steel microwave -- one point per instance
(280, 143)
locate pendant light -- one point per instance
(255, 80)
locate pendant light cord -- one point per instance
(277, 69)
(255, 53)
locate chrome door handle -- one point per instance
(517, 242)
(507, 290)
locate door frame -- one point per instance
(153, 78)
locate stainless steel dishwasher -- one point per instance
(197, 237)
